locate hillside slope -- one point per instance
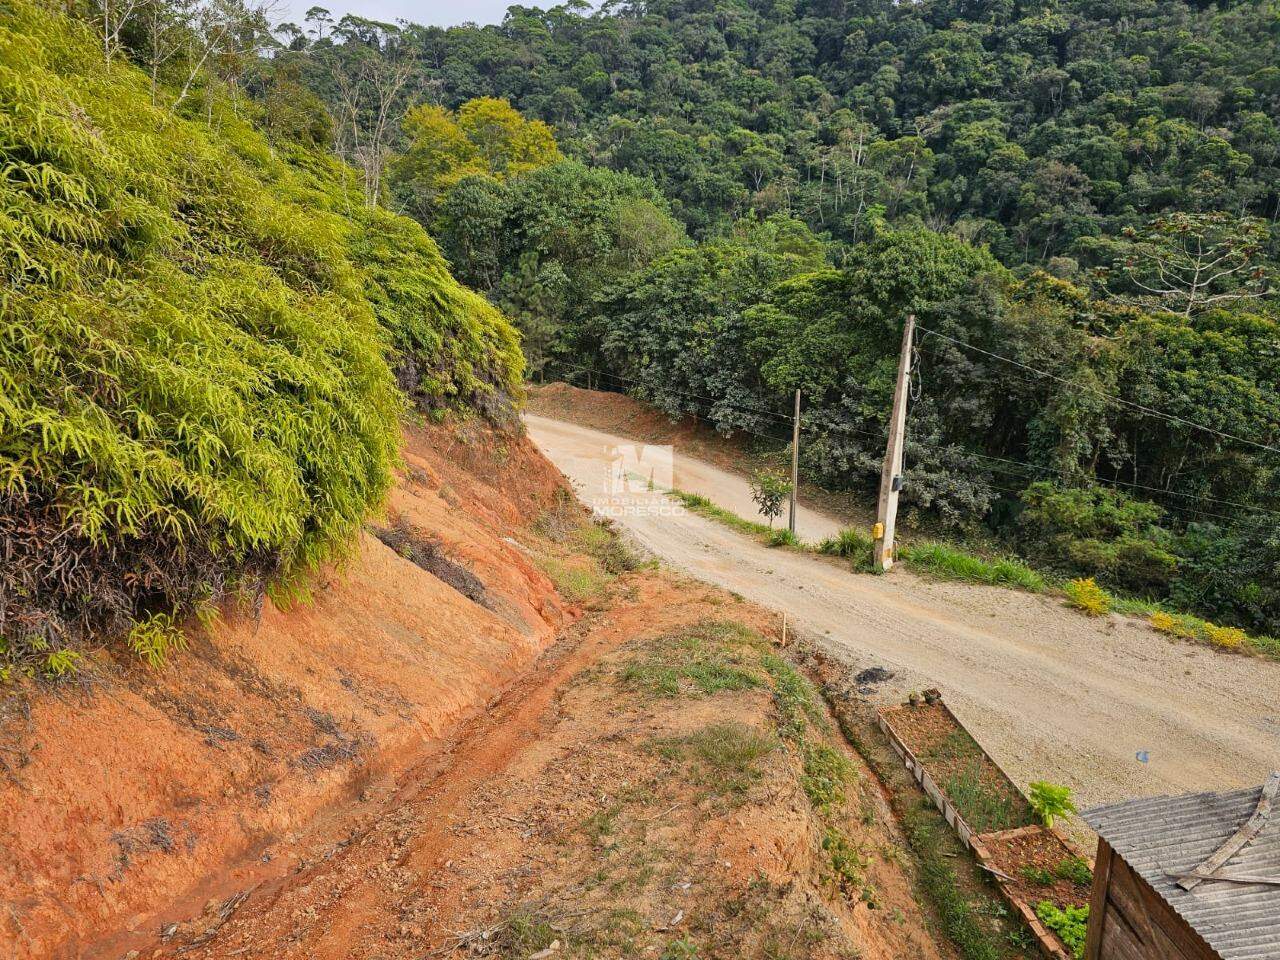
(198, 331)
(122, 797)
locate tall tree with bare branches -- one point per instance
(1188, 262)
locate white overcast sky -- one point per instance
(442, 13)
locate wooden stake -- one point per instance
(891, 475)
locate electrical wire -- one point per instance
(915, 390)
(785, 418)
(1150, 411)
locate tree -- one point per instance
(769, 491)
(545, 243)
(507, 142)
(320, 20)
(1187, 262)
(486, 137)
(369, 85)
(438, 156)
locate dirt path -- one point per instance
(1051, 694)
(574, 818)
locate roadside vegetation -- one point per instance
(711, 206)
(952, 562)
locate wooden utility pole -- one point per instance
(891, 475)
(795, 462)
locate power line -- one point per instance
(880, 437)
(707, 420)
(1172, 418)
(1179, 510)
(785, 418)
(1126, 483)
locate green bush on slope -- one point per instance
(195, 396)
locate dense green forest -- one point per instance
(711, 203)
(201, 332)
(221, 285)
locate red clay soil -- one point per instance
(1043, 852)
(123, 795)
(556, 823)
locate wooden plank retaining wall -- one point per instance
(1049, 942)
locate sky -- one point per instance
(442, 13)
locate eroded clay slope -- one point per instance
(122, 795)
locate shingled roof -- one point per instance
(1166, 838)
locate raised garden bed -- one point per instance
(1028, 862)
(970, 789)
(1034, 864)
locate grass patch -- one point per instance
(602, 543)
(1136, 606)
(951, 563)
(847, 861)
(827, 774)
(573, 581)
(793, 696)
(983, 808)
(782, 537)
(724, 754)
(1267, 646)
(771, 536)
(960, 920)
(707, 658)
(853, 546)
(707, 677)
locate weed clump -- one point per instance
(1076, 870)
(944, 561)
(853, 546)
(725, 755)
(1084, 594)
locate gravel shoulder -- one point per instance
(1052, 695)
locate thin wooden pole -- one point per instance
(795, 462)
(891, 474)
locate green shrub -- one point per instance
(769, 491)
(1050, 801)
(195, 395)
(1229, 575)
(1098, 532)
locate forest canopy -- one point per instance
(1078, 201)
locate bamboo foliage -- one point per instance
(195, 346)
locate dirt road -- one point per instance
(1050, 693)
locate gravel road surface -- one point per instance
(1051, 694)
